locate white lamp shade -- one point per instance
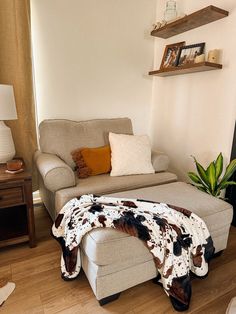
(7, 103)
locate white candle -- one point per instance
(213, 56)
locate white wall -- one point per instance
(91, 58)
(194, 114)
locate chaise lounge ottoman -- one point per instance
(115, 261)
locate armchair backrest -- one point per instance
(60, 137)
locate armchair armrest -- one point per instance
(56, 174)
(160, 161)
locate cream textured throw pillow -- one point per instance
(130, 154)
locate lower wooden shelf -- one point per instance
(13, 222)
(185, 69)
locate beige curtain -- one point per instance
(16, 70)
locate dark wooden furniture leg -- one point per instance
(109, 299)
(30, 213)
(218, 253)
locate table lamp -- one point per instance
(7, 112)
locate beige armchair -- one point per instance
(57, 180)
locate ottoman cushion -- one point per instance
(108, 246)
(105, 246)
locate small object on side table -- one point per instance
(16, 208)
(15, 165)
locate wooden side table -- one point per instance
(16, 208)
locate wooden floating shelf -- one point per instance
(185, 69)
(194, 20)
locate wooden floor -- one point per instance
(39, 288)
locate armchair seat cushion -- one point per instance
(104, 184)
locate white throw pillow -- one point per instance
(130, 154)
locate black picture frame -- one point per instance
(187, 54)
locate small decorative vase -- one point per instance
(170, 12)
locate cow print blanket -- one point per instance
(177, 238)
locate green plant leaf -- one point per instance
(219, 166)
(201, 171)
(229, 171)
(194, 177)
(203, 189)
(211, 173)
(208, 180)
(224, 185)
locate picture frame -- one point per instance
(171, 54)
(187, 54)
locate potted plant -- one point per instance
(211, 180)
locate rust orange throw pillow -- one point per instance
(92, 161)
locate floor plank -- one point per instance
(218, 305)
(40, 289)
